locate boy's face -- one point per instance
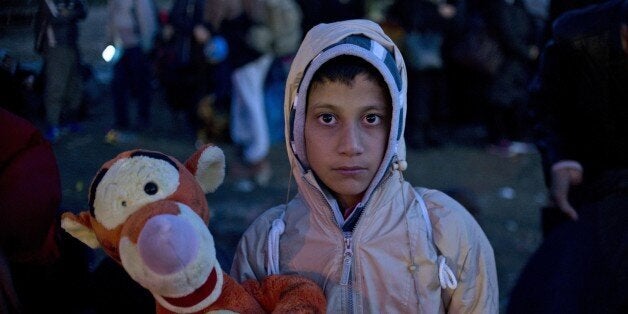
(346, 134)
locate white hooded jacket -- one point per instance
(384, 258)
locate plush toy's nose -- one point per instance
(167, 243)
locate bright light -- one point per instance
(108, 53)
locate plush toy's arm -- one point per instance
(287, 294)
(234, 297)
(80, 227)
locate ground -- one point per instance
(507, 192)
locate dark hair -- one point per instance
(344, 69)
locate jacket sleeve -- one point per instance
(250, 257)
(551, 94)
(469, 254)
(477, 290)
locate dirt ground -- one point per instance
(507, 192)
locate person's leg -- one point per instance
(220, 77)
(441, 109)
(141, 80)
(74, 86)
(120, 91)
(496, 123)
(56, 72)
(416, 110)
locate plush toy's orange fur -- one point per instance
(149, 213)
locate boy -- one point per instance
(356, 227)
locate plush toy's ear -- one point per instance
(208, 166)
(80, 227)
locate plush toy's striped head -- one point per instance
(148, 212)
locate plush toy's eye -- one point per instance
(151, 188)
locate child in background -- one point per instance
(371, 240)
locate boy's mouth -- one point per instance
(350, 170)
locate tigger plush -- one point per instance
(149, 213)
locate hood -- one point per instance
(362, 38)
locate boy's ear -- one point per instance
(80, 227)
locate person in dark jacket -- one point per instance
(56, 38)
(579, 99)
(186, 83)
(558, 7)
(579, 102)
(30, 194)
(38, 269)
(131, 27)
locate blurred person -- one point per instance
(222, 22)
(272, 37)
(56, 38)
(558, 7)
(580, 83)
(467, 84)
(327, 11)
(507, 94)
(182, 66)
(132, 27)
(579, 99)
(39, 268)
(425, 26)
(372, 241)
(201, 43)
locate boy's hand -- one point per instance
(562, 180)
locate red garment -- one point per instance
(30, 192)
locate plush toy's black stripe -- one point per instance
(92, 189)
(155, 155)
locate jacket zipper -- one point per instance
(345, 279)
(347, 259)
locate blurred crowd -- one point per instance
(222, 65)
(221, 68)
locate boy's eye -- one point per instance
(372, 119)
(326, 118)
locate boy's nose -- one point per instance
(350, 140)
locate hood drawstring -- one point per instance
(445, 274)
(276, 230)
